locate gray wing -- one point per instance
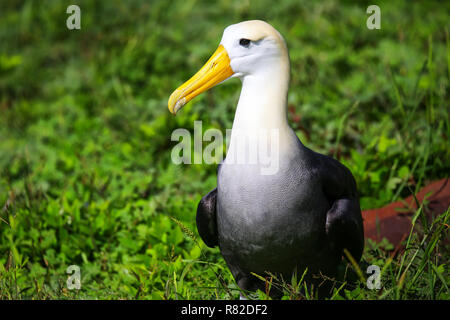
(206, 219)
(344, 224)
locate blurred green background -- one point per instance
(85, 171)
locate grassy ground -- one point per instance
(85, 172)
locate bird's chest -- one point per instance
(258, 210)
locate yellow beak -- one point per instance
(215, 70)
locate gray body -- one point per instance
(303, 216)
(270, 222)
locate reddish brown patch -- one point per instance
(393, 221)
(296, 120)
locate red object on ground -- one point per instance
(393, 221)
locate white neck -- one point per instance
(262, 103)
(262, 107)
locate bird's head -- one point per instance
(249, 48)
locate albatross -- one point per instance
(303, 215)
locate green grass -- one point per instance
(85, 172)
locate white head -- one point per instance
(249, 48)
(253, 47)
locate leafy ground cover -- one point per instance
(86, 176)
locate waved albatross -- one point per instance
(305, 213)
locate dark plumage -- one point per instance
(289, 244)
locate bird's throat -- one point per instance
(260, 120)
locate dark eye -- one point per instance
(244, 42)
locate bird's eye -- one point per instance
(244, 42)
